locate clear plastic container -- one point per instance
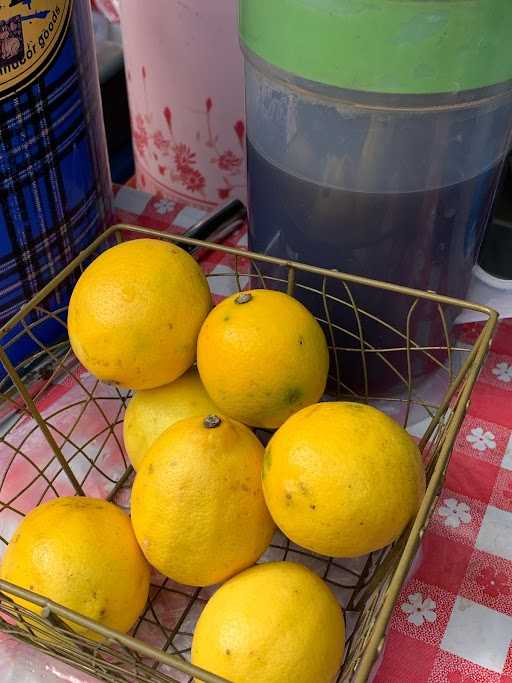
(397, 189)
(396, 186)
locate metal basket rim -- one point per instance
(242, 253)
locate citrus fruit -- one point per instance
(151, 411)
(82, 553)
(135, 313)
(342, 479)
(262, 356)
(274, 623)
(197, 505)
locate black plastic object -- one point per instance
(116, 114)
(496, 251)
(217, 226)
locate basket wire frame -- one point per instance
(367, 587)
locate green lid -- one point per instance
(387, 46)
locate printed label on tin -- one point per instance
(31, 33)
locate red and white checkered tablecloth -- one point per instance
(453, 619)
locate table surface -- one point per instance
(453, 619)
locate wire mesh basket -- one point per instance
(61, 435)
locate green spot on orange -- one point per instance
(293, 395)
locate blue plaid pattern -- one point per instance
(54, 181)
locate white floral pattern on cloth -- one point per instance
(163, 206)
(419, 610)
(503, 372)
(481, 440)
(454, 513)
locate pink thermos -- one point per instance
(185, 84)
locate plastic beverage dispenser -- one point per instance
(377, 131)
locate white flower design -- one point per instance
(164, 206)
(481, 440)
(503, 372)
(419, 610)
(455, 513)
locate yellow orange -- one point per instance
(262, 356)
(82, 553)
(274, 623)
(150, 412)
(135, 313)
(342, 479)
(197, 504)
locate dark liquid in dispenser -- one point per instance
(427, 240)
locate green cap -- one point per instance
(386, 46)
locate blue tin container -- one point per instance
(55, 188)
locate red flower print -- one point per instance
(161, 142)
(168, 116)
(184, 157)
(494, 583)
(228, 161)
(140, 134)
(240, 132)
(177, 160)
(227, 190)
(224, 192)
(194, 180)
(140, 141)
(458, 677)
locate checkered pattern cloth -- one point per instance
(54, 182)
(453, 620)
